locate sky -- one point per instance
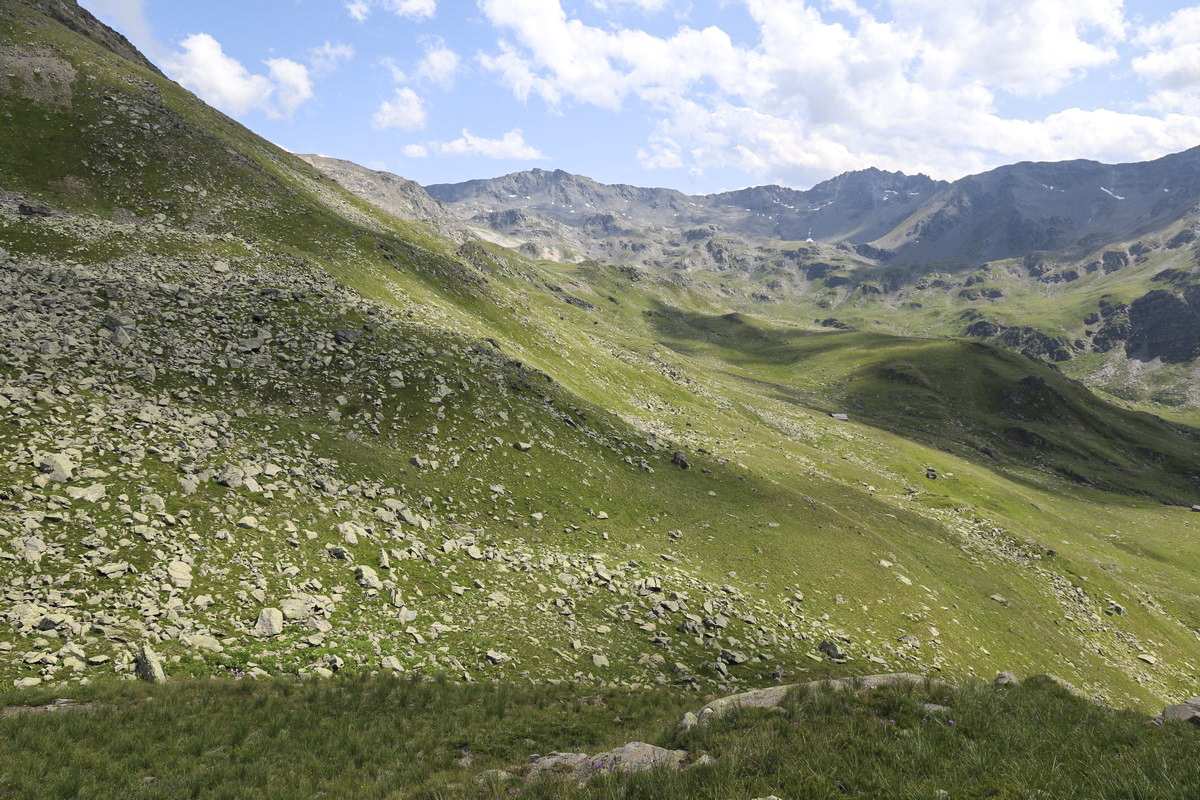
(697, 96)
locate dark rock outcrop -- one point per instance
(1028, 341)
(1165, 326)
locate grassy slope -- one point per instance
(804, 504)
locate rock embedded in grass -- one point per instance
(148, 666)
(269, 622)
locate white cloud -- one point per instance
(361, 9)
(405, 111)
(324, 59)
(1171, 62)
(292, 83)
(647, 6)
(899, 84)
(1028, 47)
(204, 67)
(415, 151)
(439, 65)
(510, 146)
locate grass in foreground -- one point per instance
(383, 737)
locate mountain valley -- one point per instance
(277, 415)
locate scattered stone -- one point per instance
(492, 776)
(523, 447)
(830, 649)
(842, 417)
(680, 460)
(631, 757)
(57, 466)
(367, 578)
(1006, 679)
(269, 623)
(1183, 712)
(180, 574)
(90, 494)
(148, 666)
(772, 696)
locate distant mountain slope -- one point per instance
(1066, 208)
(856, 206)
(400, 196)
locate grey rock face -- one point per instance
(180, 574)
(269, 623)
(148, 666)
(57, 466)
(1183, 712)
(631, 757)
(1006, 679)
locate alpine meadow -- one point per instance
(318, 482)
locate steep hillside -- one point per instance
(391, 193)
(260, 424)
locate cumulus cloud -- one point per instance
(405, 111)
(292, 85)
(203, 67)
(509, 146)
(439, 65)
(1171, 62)
(219, 79)
(415, 151)
(325, 59)
(361, 9)
(843, 84)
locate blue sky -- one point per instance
(699, 96)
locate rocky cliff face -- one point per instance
(1165, 326)
(80, 20)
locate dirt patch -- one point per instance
(40, 77)
(52, 708)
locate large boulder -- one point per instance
(631, 757)
(148, 666)
(269, 623)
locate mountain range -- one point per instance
(1075, 262)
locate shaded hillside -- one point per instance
(1066, 208)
